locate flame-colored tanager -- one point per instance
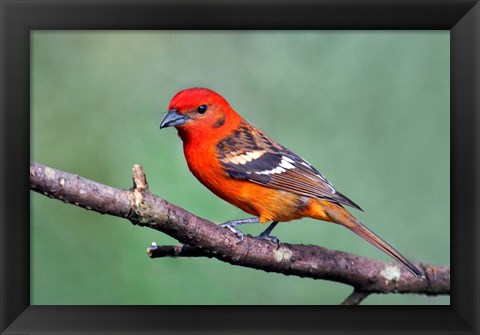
(243, 166)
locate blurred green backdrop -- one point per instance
(369, 109)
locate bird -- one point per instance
(243, 166)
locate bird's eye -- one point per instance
(202, 109)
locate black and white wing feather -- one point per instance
(249, 154)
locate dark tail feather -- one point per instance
(369, 236)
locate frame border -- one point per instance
(18, 17)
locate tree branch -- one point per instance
(355, 298)
(206, 239)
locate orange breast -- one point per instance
(266, 203)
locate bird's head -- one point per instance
(199, 112)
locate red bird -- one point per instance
(243, 166)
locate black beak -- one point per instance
(173, 119)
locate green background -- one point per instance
(370, 110)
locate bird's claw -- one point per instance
(273, 239)
(234, 230)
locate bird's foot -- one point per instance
(230, 225)
(273, 239)
(234, 230)
(266, 234)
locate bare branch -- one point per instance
(155, 251)
(205, 238)
(355, 298)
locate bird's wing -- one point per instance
(248, 154)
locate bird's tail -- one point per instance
(343, 217)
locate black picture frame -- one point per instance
(19, 17)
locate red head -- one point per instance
(200, 112)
